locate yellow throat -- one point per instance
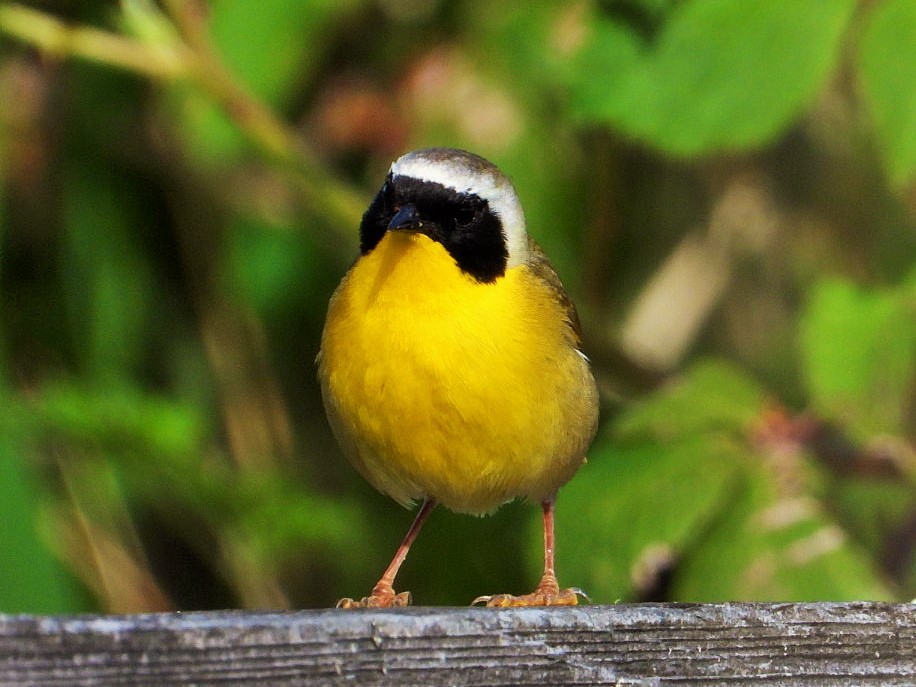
(441, 386)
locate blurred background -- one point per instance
(727, 188)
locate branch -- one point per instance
(192, 56)
(61, 40)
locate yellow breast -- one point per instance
(439, 386)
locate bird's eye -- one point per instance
(464, 216)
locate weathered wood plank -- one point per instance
(639, 644)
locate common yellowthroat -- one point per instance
(450, 362)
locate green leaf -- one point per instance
(31, 579)
(711, 395)
(106, 275)
(680, 480)
(887, 70)
(629, 501)
(764, 548)
(858, 349)
(720, 74)
(273, 45)
(656, 481)
(123, 420)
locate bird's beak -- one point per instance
(406, 217)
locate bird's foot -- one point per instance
(548, 593)
(382, 596)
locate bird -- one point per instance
(450, 366)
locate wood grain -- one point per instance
(628, 644)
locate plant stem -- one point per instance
(334, 201)
(57, 38)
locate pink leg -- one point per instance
(383, 594)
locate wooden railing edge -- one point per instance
(859, 643)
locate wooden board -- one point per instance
(628, 644)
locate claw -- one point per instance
(378, 600)
(539, 597)
(383, 594)
(578, 591)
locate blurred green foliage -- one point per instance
(712, 75)
(865, 384)
(692, 486)
(887, 67)
(725, 186)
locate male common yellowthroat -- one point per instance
(450, 364)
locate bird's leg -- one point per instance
(383, 594)
(548, 592)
